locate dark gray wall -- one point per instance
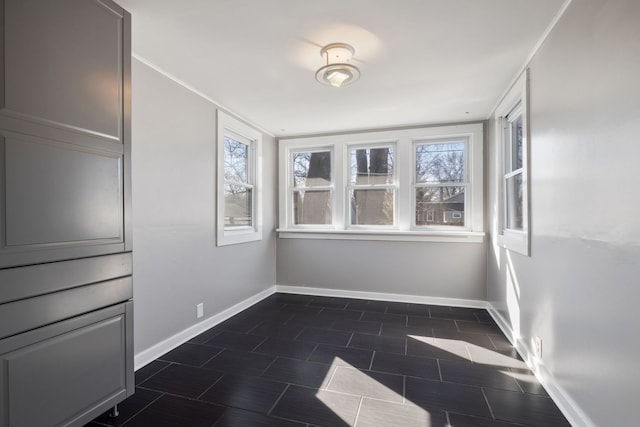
(579, 289)
(177, 264)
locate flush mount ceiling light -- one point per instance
(337, 72)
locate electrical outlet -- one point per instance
(537, 346)
(199, 310)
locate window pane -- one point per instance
(516, 144)
(237, 206)
(440, 162)
(372, 166)
(312, 207)
(236, 160)
(372, 207)
(514, 202)
(312, 169)
(440, 206)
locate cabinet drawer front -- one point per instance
(48, 373)
(21, 316)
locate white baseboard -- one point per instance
(149, 355)
(381, 296)
(569, 408)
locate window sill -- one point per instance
(515, 241)
(397, 236)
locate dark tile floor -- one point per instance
(296, 360)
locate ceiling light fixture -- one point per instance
(337, 72)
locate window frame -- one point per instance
(516, 101)
(229, 126)
(404, 175)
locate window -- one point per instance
(371, 189)
(409, 184)
(311, 189)
(512, 142)
(441, 184)
(239, 204)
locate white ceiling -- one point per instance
(422, 61)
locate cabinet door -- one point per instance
(66, 373)
(64, 130)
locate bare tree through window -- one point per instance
(372, 197)
(440, 183)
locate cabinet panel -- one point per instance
(54, 76)
(50, 373)
(59, 193)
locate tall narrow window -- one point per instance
(239, 157)
(311, 187)
(372, 187)
(441, 183)
(513, 170)
(238, 182)
(511, 120)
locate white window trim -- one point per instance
(228, 236)
(515, 240)
(404, 145)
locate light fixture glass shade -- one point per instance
(337, 72)
(338, 75)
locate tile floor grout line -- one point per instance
(350, 338)
(304, 327)
(155, 373)
(278, 399)
(373, 356)
(447, 419)
(259, 344)
(145, 407)
(486, 399)
(209, 388)
(211, 358)
(404, 389)
(268, 366)
(312, 351)
(333, 374)
(355, 421)
(255, 327)
(439, 370)
(466, 348)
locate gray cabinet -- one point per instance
(65, 206)
(59, 374)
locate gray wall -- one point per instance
(414, 268)
(579, 289)
(176, 263)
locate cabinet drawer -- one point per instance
(47, 374)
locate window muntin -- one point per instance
(372, 189)
(311, 187)
(238, 187)
(441, 183)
